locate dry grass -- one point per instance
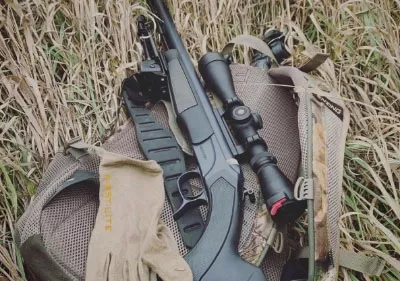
(61, 65)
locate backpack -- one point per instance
(305, 126)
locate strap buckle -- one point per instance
(304, 189)
(76, 148)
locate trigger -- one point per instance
(190, 203)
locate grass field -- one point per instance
(62, 63)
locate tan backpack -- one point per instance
(305, 126)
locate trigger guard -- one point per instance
(191, 201)
(185, 178)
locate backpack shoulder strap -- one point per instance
(251, 42)
(368, 265)
(257, 44)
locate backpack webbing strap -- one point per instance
(157, 143)
(76, 148)
(251, 42)
(310, 202)
(257, 44)
(314, 62)
(368, 265)
(39, 263)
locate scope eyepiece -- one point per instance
(276, 188)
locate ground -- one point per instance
(62, 63)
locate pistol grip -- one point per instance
(215, 257)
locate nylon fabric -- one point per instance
(39, 263)
(314, 62)
(372, 266)
(252, 42)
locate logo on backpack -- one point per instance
(335, 108)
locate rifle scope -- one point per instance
(276, 188)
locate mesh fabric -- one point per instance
(334, 129)
(66, 224)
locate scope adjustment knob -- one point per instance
(241, 114)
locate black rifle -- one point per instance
(215, 256)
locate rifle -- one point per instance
(169, 73)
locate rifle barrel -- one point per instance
(174, 42)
